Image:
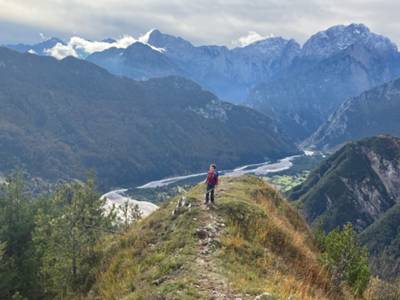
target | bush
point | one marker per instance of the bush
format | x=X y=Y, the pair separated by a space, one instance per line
x=346 y=260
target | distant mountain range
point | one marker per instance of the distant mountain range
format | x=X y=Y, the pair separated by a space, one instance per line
x=60 y=118
x=297 y=86
x=376 y=111
x=229 y=73
x=335 y=64
x=359 y=184
x=39 y=48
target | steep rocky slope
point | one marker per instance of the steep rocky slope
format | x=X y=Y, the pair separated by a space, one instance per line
x=374 y=112
x=359 y=184
x=251 y=242
x=335 y=64
x=383 y=241
x=356 y=184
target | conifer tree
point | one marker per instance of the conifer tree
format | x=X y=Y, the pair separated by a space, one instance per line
x=66 y=238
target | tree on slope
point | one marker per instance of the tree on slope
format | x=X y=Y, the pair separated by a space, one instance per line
x=66 y=236
x=345 y=258
x=17 y=266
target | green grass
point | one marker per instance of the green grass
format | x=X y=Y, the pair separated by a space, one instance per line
x=286 y=182
x=147 y=257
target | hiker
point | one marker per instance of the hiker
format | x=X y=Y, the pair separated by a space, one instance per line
x=211 y=182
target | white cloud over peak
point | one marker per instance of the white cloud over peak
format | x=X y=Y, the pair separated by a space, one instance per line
x=79 y=47
x=250 y=38
x=61 y=51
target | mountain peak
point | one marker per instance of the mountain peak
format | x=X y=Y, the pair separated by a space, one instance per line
x=145 y=37
x=161 y=40
x=140 y=48
x=109 y=40
x=272 y=46
x=336 y=38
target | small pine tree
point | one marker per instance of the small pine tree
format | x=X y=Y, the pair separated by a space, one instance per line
x=136 y=213
x=6 y=273
x=66 y=236
x=16 y=223
x=129 y=213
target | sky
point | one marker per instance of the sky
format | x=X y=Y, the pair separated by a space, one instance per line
x=221 y=22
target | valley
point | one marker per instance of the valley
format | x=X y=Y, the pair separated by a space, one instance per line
x=284 y=174
x=106 y=141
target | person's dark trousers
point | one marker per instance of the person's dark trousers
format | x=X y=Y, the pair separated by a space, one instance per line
x=210 y=193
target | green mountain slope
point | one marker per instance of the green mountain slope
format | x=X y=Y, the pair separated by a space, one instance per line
x=60 y=118
x=356 y=184
x=359 y=184
x=251 y=242
x=383 y=241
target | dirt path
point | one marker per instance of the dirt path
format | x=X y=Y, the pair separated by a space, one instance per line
x=211 y=281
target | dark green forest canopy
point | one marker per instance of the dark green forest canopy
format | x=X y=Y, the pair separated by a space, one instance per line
x=61 y=118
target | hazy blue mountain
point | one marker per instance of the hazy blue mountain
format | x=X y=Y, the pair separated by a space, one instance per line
x=60 y=118
x=138 y=61
x=299 y=87
x=109 y=40
x=335 y=64
x=39 y=48
x=374 y=112
x=337 y=38
x=228 y=73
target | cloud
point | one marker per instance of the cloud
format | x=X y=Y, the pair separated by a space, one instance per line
x=61 y=51
x=250 y=38
x=80 y=47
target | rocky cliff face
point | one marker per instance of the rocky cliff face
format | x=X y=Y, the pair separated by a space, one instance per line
x=373 y=112
x=359 y=184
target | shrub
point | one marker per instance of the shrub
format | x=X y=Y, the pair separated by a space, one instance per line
x=346 y=260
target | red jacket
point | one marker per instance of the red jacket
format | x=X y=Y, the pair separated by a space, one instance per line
x=212 y=178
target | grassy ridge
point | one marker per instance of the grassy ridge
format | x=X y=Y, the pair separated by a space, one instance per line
x=260 y=244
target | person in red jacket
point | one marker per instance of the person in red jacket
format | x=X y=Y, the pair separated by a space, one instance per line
x=211 y=182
